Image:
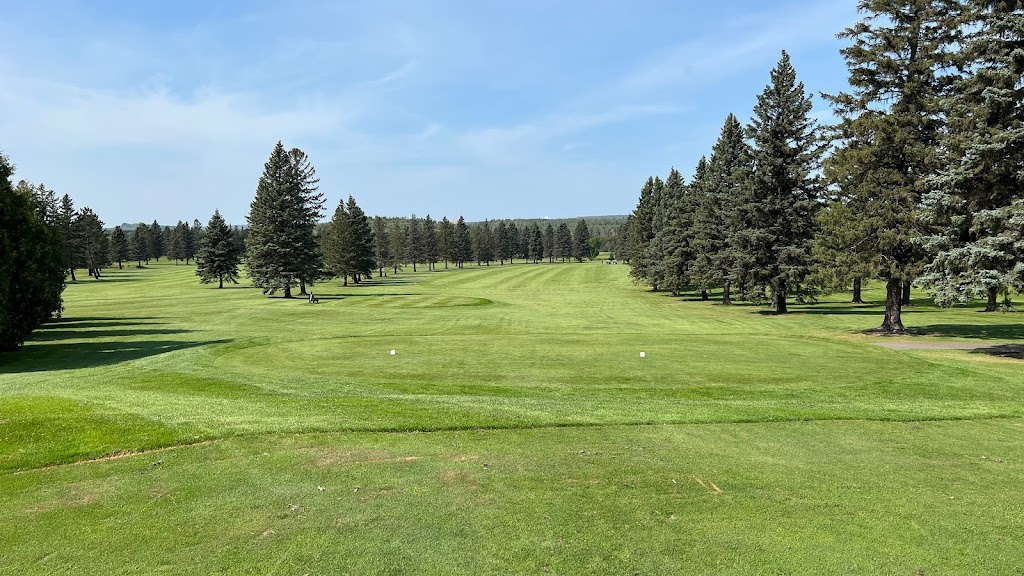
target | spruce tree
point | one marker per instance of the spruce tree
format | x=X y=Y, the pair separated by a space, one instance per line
x=381 y=245
x=94 y=245
x=120 y=250
x=670 y=251
x=502 y=246
x=361 y=237
x=483 y=243
x=446 y=241
x=218 y=253
x=563 y=242
x=399 y=244
x=414 y=242
x=515 y=241
x=139 y=245
x=431 y=249
x=309 y=258
x=890 y=123
x=181 y=241
x=536 y=243
x=156 y=241
x=642 y=232
x=279 y=224
x=549 y=243
x=976 y=201
x=785 y=191
x=463 y=246
x=71 y=248
x=171 y=243
x=581 y=241
x=716 y=214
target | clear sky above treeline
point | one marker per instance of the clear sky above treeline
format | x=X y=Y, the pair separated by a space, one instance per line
x=168 y=110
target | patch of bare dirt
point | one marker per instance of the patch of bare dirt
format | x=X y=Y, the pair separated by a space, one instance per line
x=339 y=457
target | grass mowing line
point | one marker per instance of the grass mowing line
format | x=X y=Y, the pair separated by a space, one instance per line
x=115 y=456
x=497 y=428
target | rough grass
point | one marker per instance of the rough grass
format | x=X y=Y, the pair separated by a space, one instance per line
x=516 y=430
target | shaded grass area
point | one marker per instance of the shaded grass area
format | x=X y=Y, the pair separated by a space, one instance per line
x=880 y=498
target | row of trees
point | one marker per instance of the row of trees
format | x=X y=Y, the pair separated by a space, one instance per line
x=920 y=181
x=32 y=258
x=286 y=248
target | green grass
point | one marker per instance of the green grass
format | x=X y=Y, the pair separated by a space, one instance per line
x=516 y=430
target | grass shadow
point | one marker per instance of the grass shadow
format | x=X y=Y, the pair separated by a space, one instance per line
x=45 y=357
x=74 y=333
x=980 y=331
x=1015 y=351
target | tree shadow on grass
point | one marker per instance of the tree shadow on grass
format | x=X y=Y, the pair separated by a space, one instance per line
x=76 y=332
x=44 y=357
x=851 y=310
x=980 y=331
x=363 y=295
x=1003 y=351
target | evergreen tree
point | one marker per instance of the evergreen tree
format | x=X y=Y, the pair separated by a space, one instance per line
x=976 y=201
x=536 y=243
x=171 y=243
x=140 y=245
x=890 y=125
x=549 y=243
x=309 y=260
x=156 y=241
x=515 y=241
x=349 y=243
x=218 y=253
x=463 y=247
x=181 y=241
x=716 y=216
x=483 y=243
x=563 y=242
x=197 y=238
x=277 y=253
x=71 y=248
x=502 y=246
x=670 y=252
x=581 y=241
x=446 y=241
x=381 y=245
x=414 y=242
x=642 y=232
x=188 y=241
x=33 y=270
x=93 y=241
x=362 y=240
x=120 y=250
x=785 y=192
x=431 y=248
x=399 y=243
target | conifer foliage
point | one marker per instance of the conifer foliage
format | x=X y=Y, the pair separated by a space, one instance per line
x=218 y=253
x=281 y=250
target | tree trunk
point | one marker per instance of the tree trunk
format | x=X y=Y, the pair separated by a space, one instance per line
x=905 y=297
x=221 y=281
x=73 y=279
x=288 y=291
x=302 y=287
x=119 y=267
x=993 y=303
x=856 y=290
x=726 y=298
x=704 y=295
x=893 y=322
x=413 y=265
x=344 y=280
x=779 y=297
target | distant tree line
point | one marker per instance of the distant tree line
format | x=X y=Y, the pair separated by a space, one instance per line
x=919 y=182
x=286 y=248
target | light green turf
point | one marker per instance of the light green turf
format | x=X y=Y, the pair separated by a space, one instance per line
x=516 y=430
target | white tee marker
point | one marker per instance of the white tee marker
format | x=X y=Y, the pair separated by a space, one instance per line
x=643 y=354
x=392 y=352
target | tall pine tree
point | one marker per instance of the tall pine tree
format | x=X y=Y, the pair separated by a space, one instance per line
x=218 y=253
x=890 y=125
x=779 y=219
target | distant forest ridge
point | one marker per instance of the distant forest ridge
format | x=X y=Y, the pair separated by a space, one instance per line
x=603 y=226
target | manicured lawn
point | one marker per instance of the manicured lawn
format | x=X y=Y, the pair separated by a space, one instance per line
x=516 y=430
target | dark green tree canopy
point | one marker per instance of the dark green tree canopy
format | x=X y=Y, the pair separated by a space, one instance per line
x=218 y=253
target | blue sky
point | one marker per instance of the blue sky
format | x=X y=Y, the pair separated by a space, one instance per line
x=168 y=110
